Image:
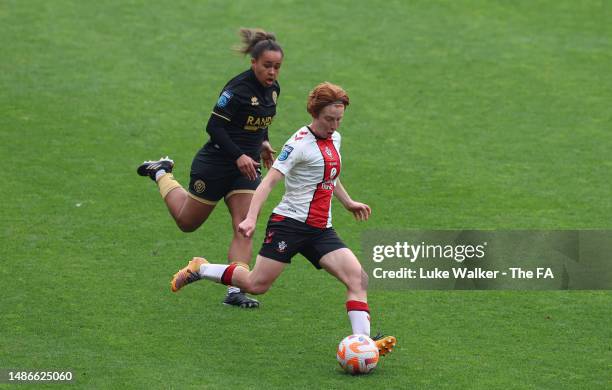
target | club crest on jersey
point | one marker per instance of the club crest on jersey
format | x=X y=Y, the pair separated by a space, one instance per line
x=254 y=101
x=285 y=153
x=274 y=96
x=282 y=246
x=224 y=99
x=328 y=151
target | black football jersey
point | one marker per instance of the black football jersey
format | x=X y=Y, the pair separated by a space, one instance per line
x=249 y=108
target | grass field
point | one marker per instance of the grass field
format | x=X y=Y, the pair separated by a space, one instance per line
x=464 y=114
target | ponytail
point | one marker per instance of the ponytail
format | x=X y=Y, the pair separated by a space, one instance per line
x=255 y=41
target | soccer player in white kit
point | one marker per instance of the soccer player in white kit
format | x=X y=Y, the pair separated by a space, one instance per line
x=310 y=163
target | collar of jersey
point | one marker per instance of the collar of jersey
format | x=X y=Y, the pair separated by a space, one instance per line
x=314 y=135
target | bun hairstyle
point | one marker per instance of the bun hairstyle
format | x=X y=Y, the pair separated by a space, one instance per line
x=255 y=41
x=323 y=95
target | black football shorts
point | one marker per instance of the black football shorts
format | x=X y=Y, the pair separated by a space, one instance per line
x=286 y=237
x=211 y=182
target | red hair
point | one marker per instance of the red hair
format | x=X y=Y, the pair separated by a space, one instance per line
x=323 y=95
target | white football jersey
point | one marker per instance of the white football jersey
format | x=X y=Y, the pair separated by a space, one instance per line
x=311 y=166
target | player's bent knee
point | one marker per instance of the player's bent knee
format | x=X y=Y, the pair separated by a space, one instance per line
x=186 y=227
x=258 y=288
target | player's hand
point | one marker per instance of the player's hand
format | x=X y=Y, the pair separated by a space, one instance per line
x=247 y=166
x=267 y=154
x=247 y=227
x=361 y=211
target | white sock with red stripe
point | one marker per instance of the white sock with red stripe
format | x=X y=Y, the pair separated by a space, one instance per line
x=213 y=272
x=359 y=314
x=220 y=273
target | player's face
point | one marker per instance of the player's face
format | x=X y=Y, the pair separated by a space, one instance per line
x=328 y=120
x=267 y=66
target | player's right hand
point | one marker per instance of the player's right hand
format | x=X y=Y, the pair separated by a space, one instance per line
x=247 y=166
x=247 y=227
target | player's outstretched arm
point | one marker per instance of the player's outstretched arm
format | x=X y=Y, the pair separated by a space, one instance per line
x=361 y=211
x=247 y=227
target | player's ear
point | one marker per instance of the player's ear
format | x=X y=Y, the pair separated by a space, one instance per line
x=253 y=61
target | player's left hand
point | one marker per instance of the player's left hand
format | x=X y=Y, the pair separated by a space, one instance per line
x=267 y=154
x=361 y=211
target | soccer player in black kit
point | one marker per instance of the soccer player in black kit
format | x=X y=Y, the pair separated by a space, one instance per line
x=228 y=165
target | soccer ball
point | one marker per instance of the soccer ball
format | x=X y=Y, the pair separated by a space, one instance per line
x=357 y=354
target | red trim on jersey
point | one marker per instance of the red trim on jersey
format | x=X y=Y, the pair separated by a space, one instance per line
x=226 y=278
x=277 y=218
x=319 y=209
x=357 y=306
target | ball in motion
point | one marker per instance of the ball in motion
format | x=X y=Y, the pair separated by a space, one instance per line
x=357 y=354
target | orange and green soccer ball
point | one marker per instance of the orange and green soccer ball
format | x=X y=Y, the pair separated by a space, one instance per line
x=357 y=354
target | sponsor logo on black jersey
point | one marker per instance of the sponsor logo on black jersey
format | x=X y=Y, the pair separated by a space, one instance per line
x=254 y=123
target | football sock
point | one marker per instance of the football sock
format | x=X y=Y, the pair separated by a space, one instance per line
x=220 y=273
x=213 y=272
x=359 y=315
x=166 y=184
x=159 y=174
x=233 y=289
x=229 y=272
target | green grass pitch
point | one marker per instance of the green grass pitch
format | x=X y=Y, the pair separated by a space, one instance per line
x=464 y=114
